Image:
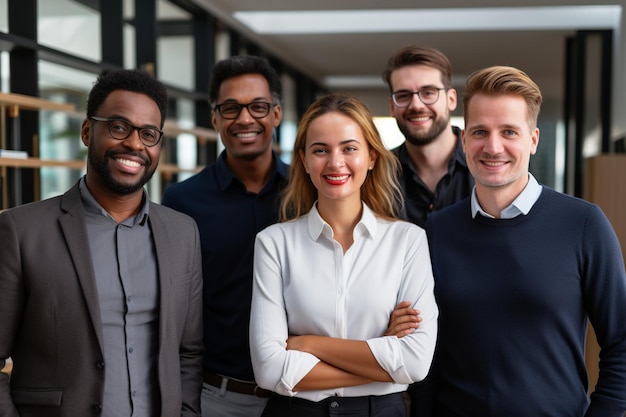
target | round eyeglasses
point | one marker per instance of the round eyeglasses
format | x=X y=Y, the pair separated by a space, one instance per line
x=427 y=95
x=120 y=129
x=231 y=111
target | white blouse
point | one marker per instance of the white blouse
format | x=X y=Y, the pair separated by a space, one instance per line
x=305 y=284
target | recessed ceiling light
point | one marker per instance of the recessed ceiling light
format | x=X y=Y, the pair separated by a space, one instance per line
x=432 y=20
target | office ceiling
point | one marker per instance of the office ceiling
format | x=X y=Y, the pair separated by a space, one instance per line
x=347 y=54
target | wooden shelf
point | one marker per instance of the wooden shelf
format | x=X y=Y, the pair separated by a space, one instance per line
x=21 y=101
x=172 y=129
x=38 y=163
x=15 y=103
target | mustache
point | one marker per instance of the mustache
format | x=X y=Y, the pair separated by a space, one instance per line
x=418 y=114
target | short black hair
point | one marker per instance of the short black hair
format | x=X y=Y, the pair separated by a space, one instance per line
x=135 y=80
x=240 y=65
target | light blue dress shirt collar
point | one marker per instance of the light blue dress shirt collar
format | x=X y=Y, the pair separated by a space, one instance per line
x=521 y=205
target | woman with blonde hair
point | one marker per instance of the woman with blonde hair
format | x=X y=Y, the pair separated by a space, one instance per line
x=328 y=276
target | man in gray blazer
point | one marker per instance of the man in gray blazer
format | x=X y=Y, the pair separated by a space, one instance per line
x=100 y=289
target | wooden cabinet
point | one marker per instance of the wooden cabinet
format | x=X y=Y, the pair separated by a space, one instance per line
x=605 y=185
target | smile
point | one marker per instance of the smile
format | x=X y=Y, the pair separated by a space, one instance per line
x=128 y=162
x=246 y=135
x=337 y=177
x=493 y=164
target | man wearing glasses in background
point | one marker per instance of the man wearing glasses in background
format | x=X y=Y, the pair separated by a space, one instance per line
x=101 y=289
x=434 y=171
x=231 y=201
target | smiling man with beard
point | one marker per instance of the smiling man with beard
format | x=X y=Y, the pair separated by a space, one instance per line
x=434 y=171
x=100 y=288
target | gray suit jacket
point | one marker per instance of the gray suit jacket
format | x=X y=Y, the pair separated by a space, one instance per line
x=50 y=319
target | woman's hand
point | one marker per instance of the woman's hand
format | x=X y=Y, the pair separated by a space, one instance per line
x=403 y=321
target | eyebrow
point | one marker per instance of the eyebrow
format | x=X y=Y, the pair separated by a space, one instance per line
x=424 y=86
x=124 y=119
x=482 y=126
x=232 y=100
x=343 y=142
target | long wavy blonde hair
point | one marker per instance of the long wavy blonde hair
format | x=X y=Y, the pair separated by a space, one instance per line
x=380 y=191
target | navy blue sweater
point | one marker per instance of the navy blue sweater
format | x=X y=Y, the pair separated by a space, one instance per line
x=514 y=296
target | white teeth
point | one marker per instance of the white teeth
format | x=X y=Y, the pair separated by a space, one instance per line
x=493 y=164
x=128 y=163
x=419 y=119
x=337 y=177
x=246 y=135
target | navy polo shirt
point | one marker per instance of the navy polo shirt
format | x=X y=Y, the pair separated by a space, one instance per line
x=228 y=218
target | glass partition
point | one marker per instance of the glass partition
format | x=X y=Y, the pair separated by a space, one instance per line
x=70 y=27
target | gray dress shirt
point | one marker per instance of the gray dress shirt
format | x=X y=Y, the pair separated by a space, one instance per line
x=126 y=273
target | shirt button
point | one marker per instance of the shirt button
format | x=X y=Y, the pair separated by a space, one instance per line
x=100 y=365
x=130 y=350
x=96 y=408
x=334 y=404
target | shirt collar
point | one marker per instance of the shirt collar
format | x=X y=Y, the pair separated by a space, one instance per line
x=225 y=176
x=92 y=206
x=459 y=156
x=521 y=205
x=318 y=227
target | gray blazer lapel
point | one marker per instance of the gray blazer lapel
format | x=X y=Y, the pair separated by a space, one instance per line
x=72 y=222
x=163 y=250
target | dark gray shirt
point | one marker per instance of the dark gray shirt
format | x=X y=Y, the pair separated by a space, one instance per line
x=125 y=267
x=419 y=201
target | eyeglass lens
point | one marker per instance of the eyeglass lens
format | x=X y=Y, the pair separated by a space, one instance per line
x=427 y=95
x=120 y=129
x=257 y=110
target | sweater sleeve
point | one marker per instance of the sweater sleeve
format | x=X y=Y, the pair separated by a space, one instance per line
x=604 y=286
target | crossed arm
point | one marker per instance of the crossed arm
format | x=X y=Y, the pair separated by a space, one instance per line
x=345 y=363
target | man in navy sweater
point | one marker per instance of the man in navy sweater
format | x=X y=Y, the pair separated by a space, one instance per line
x=519 y=269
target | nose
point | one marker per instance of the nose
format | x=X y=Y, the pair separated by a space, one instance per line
x=335 y=160
x=133 y=141
x=416 y=102
x=493 y=144
x=244 y=116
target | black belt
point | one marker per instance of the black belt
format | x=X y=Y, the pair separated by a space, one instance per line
x=240 y=387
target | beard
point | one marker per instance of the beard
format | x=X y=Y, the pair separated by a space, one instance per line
x=424 y=138
x=100 y=167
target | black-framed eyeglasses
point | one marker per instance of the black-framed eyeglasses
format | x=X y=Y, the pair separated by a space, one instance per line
x=427 y=95
x=120 y=129
x=231 y=111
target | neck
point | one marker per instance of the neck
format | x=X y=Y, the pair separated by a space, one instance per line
x=119 y=207
x=254 y=173
x=431 y=161
x=342 y=216
x=495 y=199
